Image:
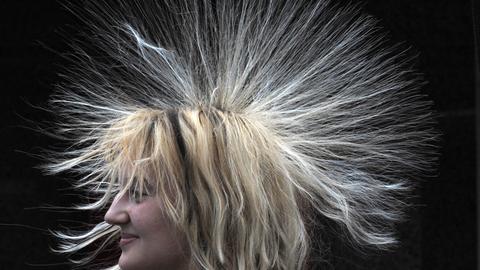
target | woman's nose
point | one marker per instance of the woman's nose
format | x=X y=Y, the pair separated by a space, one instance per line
x=117 y=213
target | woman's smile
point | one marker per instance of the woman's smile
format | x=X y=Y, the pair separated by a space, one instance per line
x=127 y=238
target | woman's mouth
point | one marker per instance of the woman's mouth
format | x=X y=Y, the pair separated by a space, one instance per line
x=127 y=239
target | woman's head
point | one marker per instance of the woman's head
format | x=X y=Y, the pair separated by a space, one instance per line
x=212 y=180
x=217 y=129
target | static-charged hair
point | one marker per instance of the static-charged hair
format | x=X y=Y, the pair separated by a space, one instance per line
x=245 y=119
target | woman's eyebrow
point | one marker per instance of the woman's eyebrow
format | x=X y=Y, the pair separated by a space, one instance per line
x=146 y=182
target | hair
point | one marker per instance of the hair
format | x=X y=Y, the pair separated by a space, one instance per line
x=249 y=118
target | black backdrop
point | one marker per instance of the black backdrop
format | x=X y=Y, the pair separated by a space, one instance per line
x=441 y=231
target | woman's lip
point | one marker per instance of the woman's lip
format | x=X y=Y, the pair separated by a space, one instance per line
x=126 y=240
x=128 y=235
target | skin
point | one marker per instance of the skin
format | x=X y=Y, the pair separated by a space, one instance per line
x=157 y=244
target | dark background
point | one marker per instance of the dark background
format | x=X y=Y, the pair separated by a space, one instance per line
x=441 y=231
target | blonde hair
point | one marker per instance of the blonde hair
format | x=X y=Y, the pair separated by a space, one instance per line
x=248 y=118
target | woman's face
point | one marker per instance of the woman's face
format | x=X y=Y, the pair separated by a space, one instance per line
x=148 y=240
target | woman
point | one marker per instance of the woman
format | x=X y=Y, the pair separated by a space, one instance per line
x=215 y=132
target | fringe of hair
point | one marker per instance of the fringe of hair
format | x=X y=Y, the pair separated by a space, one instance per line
x=248 y=117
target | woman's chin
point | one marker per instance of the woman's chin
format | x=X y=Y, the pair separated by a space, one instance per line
x=127 y=261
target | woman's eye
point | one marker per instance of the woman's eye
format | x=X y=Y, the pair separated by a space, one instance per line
x=137 y=197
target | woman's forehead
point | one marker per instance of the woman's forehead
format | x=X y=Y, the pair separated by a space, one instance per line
x=134 y=176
